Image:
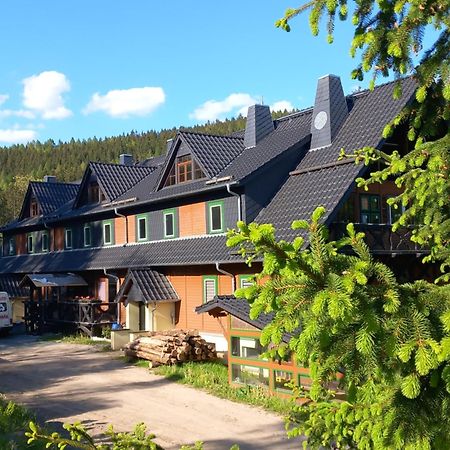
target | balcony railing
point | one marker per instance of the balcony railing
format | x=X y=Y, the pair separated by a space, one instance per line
x=381 y=239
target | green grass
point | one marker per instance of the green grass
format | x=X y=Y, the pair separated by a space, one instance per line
x=213 y=378
x=14 y=420
x=79 y=339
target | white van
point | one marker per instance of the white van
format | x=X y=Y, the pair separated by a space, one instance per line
x=6 y=320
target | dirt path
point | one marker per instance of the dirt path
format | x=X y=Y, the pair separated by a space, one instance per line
x=67 y=383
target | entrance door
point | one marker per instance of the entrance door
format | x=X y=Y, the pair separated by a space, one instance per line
x=142 y=311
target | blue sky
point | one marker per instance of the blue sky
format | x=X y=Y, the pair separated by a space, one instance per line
x=90 y=68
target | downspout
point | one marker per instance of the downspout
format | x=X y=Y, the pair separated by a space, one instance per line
x=235 y=194
x=117 y=281
x=233 y=280
x=126 y=223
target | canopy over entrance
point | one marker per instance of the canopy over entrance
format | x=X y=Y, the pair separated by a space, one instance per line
x=146 y=286
x=53 y=280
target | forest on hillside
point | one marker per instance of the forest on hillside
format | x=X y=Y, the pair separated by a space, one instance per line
x=67 y=160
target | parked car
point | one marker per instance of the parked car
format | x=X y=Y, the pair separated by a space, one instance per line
x=6 y=318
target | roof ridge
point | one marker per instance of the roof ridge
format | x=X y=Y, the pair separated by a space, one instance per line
x=46 y=183
x=378 y=86
x=227 y=136
x=120 y=165
x=294 y=114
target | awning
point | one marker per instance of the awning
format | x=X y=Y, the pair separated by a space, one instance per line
x=53 y=280
x=11 y=285
x=147 y=286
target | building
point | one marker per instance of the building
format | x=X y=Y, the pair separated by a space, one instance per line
x=152 y=235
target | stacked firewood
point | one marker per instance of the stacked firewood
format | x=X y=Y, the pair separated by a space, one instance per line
x=171 y=347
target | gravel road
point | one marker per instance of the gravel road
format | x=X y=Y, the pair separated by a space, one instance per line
x=67 y=383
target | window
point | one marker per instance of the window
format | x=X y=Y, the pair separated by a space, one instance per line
x=68 y=238
x=393 y=214
x=184 y=168
x=254 y=376
x=95 y=194
x=108 y=232
x=347 y=213
x=246 y=281
x=370 y=209
x=281 y=378
x=87 y=236
x=215 y=217
x=11 y=246
x=142 y=227
x=34 y=209
x=209 y=287
x=169 y=223
x=304 y=380
x=30 y=243
x=44 y=242
x=246 y=347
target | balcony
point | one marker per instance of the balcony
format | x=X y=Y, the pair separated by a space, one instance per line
x=381 y=239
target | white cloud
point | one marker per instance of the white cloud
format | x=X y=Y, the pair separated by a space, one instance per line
x=282 y=105
x=17 y=136
x=24 y=113
x=234 y=104
x=127 y=102
x=43 y=93
x=3 y=98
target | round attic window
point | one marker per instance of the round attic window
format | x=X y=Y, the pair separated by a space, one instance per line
x=320 y=120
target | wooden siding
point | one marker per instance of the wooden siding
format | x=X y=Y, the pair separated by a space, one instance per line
x=21 y=244
x=132 y=228
x=59 y=239
x=120 y=230
x=192 y=219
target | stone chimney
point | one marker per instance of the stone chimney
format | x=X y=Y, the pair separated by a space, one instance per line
x=49 y=179
x=259 y=124
x=125 y=159
x=330 y=111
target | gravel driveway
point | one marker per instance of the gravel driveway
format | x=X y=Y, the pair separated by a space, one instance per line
x=67 y=383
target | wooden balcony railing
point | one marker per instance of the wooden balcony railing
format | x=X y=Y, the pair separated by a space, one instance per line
x=381 y=239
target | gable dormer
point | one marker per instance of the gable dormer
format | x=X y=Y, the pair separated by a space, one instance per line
x=30 y=205
x=90 y=192
x=194 y=156
x=184 y=167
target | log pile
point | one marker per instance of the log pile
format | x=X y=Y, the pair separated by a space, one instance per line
x=171 y=347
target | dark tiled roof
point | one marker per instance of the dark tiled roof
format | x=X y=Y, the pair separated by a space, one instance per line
x=115 y=179
x=371 y=111
x=301 y=194
x=237 y=307
x=173 y=252
x=213 y=153
x=10 y=284
x=290 y=133
x=52 y=196
x=321 y=179
x=153 y=286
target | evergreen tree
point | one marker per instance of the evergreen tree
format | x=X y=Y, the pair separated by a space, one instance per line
x=389 y=38
x=387 y=344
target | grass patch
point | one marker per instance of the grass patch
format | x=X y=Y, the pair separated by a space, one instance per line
x=213 y=378
x=14 y=420
x=79 y=339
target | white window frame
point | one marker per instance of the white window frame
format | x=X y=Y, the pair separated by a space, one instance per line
x=145 y=219
x=66 y=241
x=110 y=242
x=87 y=227
x=30 y=236
x=45 y=249
x=166 y=214
x=207 y=279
